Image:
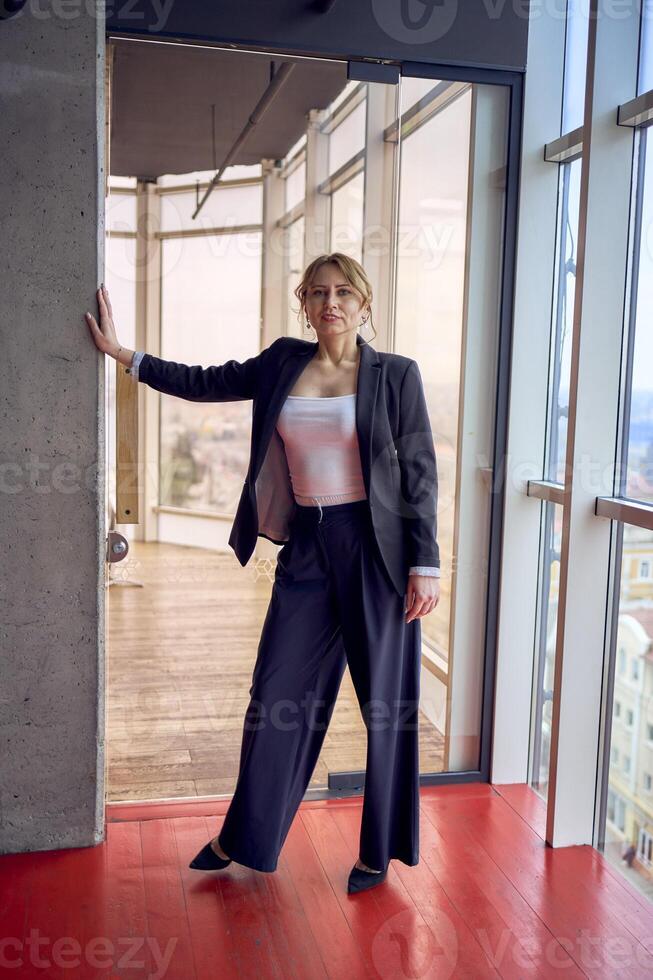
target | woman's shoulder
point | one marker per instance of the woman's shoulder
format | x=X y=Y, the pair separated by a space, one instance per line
x=396 y=364
x=396 y=360
x=281 y=348
x=287 y=341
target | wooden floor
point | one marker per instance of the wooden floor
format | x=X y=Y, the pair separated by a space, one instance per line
x=487 y=899
x=181 y=651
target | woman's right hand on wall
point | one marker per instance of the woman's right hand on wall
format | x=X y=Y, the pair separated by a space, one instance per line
x=104 y=333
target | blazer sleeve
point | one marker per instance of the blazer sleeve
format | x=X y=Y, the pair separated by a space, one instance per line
x=228 y=382
x=418 y=471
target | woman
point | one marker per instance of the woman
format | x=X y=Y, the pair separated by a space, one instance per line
x=358 y=568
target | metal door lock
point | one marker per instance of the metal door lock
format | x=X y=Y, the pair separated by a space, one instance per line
x=117 y=546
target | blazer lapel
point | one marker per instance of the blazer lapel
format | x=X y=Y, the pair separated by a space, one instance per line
x=289 y=371
x=366 y=389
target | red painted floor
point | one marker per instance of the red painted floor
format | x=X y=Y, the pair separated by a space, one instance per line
x=488 y=899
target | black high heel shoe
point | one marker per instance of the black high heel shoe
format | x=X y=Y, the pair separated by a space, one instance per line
x=360 y=880
x=208 y=860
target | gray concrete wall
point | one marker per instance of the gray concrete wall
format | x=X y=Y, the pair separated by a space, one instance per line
x=52 y=451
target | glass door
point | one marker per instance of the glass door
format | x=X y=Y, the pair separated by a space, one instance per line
x=419 y=194
x=450 y=230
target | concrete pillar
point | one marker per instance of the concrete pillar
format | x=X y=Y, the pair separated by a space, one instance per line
x=52 y=437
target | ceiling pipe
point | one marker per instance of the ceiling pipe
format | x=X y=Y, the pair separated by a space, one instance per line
x=279 y=78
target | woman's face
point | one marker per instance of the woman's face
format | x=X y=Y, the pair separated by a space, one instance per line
x=333 y=306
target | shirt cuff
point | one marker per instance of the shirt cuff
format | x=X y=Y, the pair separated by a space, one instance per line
x=132 y=370
x=424 y=570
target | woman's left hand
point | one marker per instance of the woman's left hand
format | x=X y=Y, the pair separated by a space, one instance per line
x=422 y=596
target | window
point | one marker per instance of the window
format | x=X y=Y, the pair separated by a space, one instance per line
x=620 y=813
x=225 y=207
x=120 y=210
x=563 y=317
x=645 y=83
x=347 y=218
x=645 y=848
x=637 y=482
x=622 y=661
x=616 y=810
x=414 y=89
x=295 y=186
x=450 y=185
x=634 y=470
x=210 y=312
x=544 y=664
x=348 y=138
x=431 y=292
x=577 y=25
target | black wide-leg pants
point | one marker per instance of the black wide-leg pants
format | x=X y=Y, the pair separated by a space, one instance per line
x=332 y=604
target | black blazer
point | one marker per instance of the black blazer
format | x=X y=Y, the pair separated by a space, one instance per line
x=394 y=436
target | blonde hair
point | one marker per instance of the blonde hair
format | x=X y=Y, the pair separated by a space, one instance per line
x=352 y=271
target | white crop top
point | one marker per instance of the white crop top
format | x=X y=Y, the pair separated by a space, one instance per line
x=321 y=442
x=334 y=474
